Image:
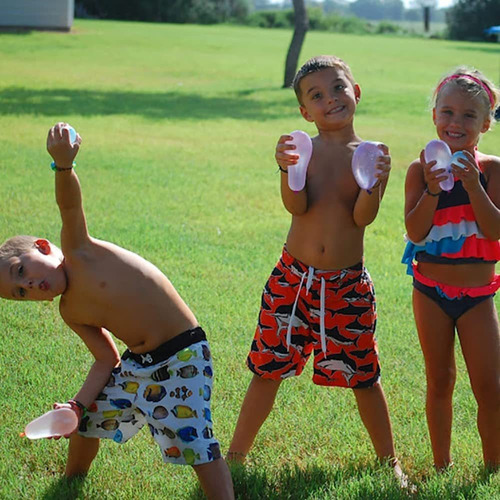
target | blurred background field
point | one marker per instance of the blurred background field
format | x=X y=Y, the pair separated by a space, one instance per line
x=179 y=125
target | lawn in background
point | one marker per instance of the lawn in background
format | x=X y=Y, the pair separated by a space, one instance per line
x=179 y=125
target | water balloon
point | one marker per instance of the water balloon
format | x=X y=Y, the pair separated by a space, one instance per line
x=54 y=423
x=364 y=161
x=72 y=134
x=457 y=156
x=440 y=152
x=297 y=173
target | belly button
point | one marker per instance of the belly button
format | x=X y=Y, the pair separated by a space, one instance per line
x=102 y=284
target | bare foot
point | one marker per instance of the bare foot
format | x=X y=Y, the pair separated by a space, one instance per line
x=402 y=478
x=444 y=468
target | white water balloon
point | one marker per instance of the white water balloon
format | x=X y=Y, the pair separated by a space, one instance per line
x=297 y=173
x=439 y=152
x=364 y=161
x=54 y=423
x=72 y=134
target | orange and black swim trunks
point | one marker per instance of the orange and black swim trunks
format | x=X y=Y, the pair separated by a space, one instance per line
x=332 y=313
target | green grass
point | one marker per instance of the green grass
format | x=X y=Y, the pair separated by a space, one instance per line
x=179 y=125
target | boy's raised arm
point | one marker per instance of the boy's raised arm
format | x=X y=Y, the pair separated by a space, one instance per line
x=68 y=192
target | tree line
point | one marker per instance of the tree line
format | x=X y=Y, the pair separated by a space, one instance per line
x=466 y=20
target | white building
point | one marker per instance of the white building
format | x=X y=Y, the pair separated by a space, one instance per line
x=38 y=14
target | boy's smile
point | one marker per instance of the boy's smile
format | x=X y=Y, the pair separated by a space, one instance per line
x=329 y=98
x=460 y=118
x=34 y=275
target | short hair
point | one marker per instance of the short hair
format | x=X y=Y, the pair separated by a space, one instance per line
x=17 y=246
x=319 y=63
x=472 y=82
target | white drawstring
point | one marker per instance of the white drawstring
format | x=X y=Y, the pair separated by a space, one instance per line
x=310 y=276
x=289 y=331
x=322 y=316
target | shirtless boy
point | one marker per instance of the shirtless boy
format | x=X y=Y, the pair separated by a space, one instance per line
x=103 y=289
x=319 y=298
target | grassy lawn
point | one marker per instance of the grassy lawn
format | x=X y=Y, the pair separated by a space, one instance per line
x=179 y=125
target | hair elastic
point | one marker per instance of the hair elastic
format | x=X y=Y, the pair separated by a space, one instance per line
x=472 y=78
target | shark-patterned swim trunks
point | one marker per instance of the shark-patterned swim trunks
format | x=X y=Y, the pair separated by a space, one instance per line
x=332 y=313
x=170 y=390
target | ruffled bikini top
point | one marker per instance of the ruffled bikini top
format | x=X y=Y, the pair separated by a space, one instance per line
x=455 y=237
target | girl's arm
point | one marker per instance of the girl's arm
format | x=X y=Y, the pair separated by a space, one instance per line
x=486 y=204
x=421 y=197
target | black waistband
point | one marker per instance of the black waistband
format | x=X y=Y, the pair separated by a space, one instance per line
x=169 y=348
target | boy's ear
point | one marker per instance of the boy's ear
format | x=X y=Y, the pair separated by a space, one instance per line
x=434 y=115
x=43 y=246
x=357 y=92
x=305 y=114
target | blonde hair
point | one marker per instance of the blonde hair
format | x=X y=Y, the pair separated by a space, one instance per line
x=319 y=63
x=472 y=82
x=17 y=246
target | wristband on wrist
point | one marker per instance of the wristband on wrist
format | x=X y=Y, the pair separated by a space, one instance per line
x=280 y=169
x=429 y=193
x=55 y=168
x=78 y=407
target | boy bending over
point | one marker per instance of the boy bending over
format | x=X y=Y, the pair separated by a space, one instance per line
x=163 y=379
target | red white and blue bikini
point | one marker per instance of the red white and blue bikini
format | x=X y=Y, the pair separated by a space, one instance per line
x=455 y=238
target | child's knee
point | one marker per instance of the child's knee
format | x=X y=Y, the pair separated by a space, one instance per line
x=487 y=394
x=441 y=382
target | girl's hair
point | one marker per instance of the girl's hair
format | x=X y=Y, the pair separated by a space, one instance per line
x=319 y=63
x=473 y=82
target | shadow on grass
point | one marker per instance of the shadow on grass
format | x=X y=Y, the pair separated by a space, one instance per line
x=481 y=48
x=153 y=105
x=63 y=488
x=346 y=482
x=313 y=482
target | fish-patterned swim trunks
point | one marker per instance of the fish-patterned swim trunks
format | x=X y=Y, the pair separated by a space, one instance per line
x=170 y=390
x=332 y=313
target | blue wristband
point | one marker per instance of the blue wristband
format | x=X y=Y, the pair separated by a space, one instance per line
x=55 y=168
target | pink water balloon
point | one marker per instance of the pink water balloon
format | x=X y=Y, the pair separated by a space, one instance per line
x=54 y=423
x=364 y=161
x=439 y=152
x=297 y=173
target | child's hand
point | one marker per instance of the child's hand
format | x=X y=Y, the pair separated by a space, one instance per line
x=467 y=172
x=432 y=178
x=78 y=412
x=383 y=165
x=59 y=145
x=283 y=159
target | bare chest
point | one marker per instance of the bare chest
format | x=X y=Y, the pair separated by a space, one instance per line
x=331 y=184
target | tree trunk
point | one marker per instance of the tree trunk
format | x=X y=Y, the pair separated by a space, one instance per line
x=299 y=33
x=427 y=19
